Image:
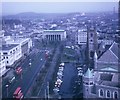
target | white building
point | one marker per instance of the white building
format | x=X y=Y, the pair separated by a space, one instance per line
x=54 y=35
x=25 y=43
x=11 y=53
x=11 y=50
x=82 y=37
x=2 y=64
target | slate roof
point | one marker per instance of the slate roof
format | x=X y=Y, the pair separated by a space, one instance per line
x=111 y=55
x=88 y=74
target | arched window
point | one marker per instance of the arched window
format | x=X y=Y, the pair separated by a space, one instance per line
x=115 y=95
x=101 y=92
x=108 y=94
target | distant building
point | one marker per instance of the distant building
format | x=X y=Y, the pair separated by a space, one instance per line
x=82 y=37
x=103 y=81
x=54 y=35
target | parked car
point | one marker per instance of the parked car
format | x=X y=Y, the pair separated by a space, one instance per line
x=11 y=79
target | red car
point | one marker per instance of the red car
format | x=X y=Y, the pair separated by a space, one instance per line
x=18 y=70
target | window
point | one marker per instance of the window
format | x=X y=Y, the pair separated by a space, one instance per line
x=91 y=34
x=5 y=53
x=101 y=92
x=115 y=95
x=7 y=62
x=108 y=94
x=91 y=40
x=6 y=57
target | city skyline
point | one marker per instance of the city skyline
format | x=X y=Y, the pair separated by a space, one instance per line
x=9 y=8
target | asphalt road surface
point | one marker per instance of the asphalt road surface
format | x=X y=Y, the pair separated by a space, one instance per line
x=28 y=76
x=48 y=75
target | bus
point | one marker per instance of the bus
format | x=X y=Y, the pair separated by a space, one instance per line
x=18 y=93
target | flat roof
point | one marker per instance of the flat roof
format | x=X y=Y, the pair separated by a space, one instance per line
x=9 y=46
x=53 y=30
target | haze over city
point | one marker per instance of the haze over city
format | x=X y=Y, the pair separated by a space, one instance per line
x=9 y=8
x=60 y=50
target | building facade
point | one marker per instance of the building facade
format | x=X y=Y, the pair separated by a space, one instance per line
x=11 y=53
x=82 y=37
x=2 y=64
x=54 y=35
x=103 y=81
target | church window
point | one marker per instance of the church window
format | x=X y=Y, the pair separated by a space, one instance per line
x=101 y=92
x=108 y=94
x=115 y=95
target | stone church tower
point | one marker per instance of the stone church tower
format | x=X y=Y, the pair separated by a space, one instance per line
x=88 y=82
x=92 y=44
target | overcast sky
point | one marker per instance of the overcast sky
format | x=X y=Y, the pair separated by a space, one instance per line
x=57 y=7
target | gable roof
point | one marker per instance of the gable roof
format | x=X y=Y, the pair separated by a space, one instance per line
x=115 y=49
x=111 y=55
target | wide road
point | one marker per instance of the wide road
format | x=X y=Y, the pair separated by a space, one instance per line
x=29 y=74
x=48 y=77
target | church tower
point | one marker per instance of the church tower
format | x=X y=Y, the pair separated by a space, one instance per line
x=92 y=45
x=88 y=82
x=92 y=41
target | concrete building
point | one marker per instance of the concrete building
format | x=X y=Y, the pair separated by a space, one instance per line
x=11 y=53
x=54 y=35
x=104 y=80
x=82 y=37
x=12 y=49
x=25 y=43
x=2 y=64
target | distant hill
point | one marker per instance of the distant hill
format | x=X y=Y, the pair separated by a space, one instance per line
x=31 y=15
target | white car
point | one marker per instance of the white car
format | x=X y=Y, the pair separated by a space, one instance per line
x=11 y=79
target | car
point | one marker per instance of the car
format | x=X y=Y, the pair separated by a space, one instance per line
x=11 y=79
x=18 y=70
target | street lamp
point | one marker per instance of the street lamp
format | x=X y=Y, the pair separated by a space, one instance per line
x=7 y=89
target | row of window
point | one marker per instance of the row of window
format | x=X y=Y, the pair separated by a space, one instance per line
x=108 y=94
x=5 y=53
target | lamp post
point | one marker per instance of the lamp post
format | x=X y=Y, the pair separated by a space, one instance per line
x=7 y=89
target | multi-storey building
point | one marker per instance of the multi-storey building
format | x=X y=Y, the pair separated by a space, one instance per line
x=11 y=53
x=54 y=35
x=12 y=49
x=2 y=64
x=82 y=37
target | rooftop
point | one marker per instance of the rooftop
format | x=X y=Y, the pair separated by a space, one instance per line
x=88 y=74
x=8 y=46
x=53 y=30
